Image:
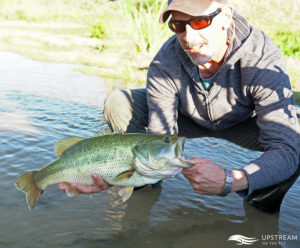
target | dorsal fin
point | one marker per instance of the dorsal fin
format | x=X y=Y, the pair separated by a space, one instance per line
x=106 y=132
x=118 y=130
x=101 y=133
x=63 y=145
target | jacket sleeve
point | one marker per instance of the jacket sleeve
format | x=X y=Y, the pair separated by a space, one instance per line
x=162 y=101
x=279 y=128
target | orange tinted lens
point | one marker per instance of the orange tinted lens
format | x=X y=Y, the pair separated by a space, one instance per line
x=200 y=23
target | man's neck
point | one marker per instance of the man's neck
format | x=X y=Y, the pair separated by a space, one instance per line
x=209 y=69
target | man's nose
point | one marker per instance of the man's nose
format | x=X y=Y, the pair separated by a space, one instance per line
x=190 y=34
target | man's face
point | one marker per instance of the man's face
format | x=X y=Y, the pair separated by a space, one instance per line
x=205 y=44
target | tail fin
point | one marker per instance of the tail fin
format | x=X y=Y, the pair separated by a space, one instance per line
x=27 y=184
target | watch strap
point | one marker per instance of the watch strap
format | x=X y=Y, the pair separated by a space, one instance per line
x=228 y=183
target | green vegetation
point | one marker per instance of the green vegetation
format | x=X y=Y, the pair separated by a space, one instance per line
x=278 y=19
x=98 y=30
x=143 y=16
x=118 y=40
x=288 y=42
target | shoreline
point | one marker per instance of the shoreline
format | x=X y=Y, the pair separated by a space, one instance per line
x=71 y=43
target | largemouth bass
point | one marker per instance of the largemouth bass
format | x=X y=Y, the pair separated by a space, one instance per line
x=128 y=160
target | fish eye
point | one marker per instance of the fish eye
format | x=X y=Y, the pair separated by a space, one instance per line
x=167 y=139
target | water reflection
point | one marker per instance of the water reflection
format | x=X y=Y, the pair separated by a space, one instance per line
x=41 y=103
x=290 y=215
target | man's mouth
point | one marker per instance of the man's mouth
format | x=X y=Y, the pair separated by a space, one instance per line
x=194 y=49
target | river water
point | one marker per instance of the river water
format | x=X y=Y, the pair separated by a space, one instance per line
x=41 y=103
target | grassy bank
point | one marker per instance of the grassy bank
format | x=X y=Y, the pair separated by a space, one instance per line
x=117 y=40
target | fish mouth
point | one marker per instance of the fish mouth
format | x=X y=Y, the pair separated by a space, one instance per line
x=180 y=146
x=181 y=161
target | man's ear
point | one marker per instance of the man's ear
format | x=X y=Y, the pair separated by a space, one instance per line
x=228 y=12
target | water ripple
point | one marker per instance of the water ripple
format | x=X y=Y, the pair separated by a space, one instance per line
x=40 y=103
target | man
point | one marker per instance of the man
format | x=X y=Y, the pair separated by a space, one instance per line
x=217 y=77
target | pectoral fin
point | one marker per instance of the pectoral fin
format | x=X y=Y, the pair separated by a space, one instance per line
x=125 y=175
x=125 y=193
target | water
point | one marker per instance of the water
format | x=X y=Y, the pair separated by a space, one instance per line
x=40 y=103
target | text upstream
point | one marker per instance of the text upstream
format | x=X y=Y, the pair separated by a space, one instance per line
x=278 y=237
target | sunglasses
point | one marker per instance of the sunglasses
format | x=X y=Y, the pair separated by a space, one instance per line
x=196 y=23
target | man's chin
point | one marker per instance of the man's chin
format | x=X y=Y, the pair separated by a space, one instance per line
x=199 y=60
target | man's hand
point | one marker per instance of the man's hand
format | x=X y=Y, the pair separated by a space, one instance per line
x=206 y=177
x=99 y=185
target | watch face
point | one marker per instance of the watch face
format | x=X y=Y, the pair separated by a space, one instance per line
x=229 y=177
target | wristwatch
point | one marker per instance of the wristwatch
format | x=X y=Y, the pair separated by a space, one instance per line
x=228 y=183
